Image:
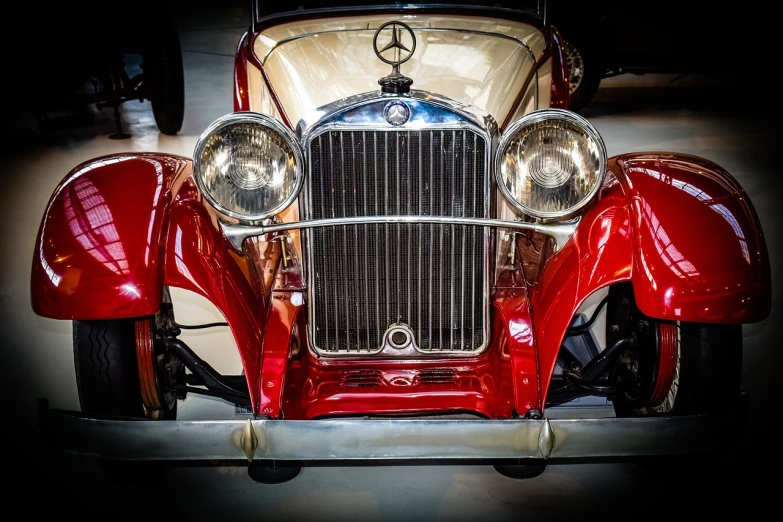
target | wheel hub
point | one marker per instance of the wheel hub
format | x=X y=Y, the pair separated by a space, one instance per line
x=646 y=372
x=576 y=66
x=159 y=371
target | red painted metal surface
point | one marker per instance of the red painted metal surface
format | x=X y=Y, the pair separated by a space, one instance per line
x=667 y=362
x=249 y=55
x=645 y=228
x=514 y=318
x=100 y=241
x=199 y=259
x=597 y=255
x=241 y=88
x=120 y=228
x=283 y=311
x=318 y=390
x=701 y=254
x=244 y=56
x=561 y=94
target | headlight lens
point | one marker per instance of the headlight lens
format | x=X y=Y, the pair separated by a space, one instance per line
x=248 y=166
x=550 y=163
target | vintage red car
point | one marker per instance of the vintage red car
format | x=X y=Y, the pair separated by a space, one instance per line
x=420 y=252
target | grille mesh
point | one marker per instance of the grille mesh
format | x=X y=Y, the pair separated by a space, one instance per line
x=368 y=277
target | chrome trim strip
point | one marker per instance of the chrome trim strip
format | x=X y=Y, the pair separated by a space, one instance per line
x=236 y=234
x=385 y=439
x=333 y=112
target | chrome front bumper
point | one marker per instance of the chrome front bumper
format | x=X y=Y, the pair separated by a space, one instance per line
x=357 y=439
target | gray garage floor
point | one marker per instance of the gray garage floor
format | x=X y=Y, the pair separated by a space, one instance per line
x=728 y=125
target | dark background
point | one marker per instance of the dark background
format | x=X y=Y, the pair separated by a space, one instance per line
x=742 y=96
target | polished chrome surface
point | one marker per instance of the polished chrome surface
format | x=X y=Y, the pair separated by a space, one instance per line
x=546 y=440
x=249 y=440
x=399 y=341
x=560 y=232
x=258 y=119
x=576 y=67
x=428 y=110
x=359 y=439
x=358 y=173
x=364 y=171
x=546 y=115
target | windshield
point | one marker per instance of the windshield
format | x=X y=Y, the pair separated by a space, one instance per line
x=265 y=8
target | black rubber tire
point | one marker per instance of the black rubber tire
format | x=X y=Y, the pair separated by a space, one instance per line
x=593 y=69
x=107 y=377
x=165 y=77
x=710 y=367
x=710 y=370
x=107 y=374
x=709 y=380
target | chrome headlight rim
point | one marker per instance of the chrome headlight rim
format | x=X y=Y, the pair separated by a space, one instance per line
x=265 y=121
x=536 y=117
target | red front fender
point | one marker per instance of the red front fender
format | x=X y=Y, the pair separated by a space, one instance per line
x=99 y=250
x=681 y=229
x=700 y=254
x=119 y=228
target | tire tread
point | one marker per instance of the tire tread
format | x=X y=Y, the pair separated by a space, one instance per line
x=106 y=369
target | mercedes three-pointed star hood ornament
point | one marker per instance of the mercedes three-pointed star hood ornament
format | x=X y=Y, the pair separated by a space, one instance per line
x=396 y=52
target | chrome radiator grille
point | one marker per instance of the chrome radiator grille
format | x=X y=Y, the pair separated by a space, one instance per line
x=365 y=278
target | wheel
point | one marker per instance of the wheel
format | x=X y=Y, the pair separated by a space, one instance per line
x=673 y=368
x=521 y=471
x=164 y=77
x=706 y=373
x=585 y=69
x=676 y=368
x=122 y=369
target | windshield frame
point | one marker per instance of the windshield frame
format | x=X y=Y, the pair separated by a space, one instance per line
x=531 y=16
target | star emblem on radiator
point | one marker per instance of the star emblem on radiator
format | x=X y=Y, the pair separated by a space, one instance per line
x=396 y=113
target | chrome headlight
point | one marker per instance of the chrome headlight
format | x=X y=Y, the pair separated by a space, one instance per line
x=248 y=166
x=550 y=163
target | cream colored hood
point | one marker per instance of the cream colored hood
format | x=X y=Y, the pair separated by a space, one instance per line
x=484 y=62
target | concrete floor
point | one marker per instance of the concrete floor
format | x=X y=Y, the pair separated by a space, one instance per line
x=720 y=123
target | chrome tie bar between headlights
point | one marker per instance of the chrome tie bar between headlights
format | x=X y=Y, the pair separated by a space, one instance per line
x=236 y=234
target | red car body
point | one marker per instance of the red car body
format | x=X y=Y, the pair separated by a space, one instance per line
x=106 y=249
x=120 y=228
